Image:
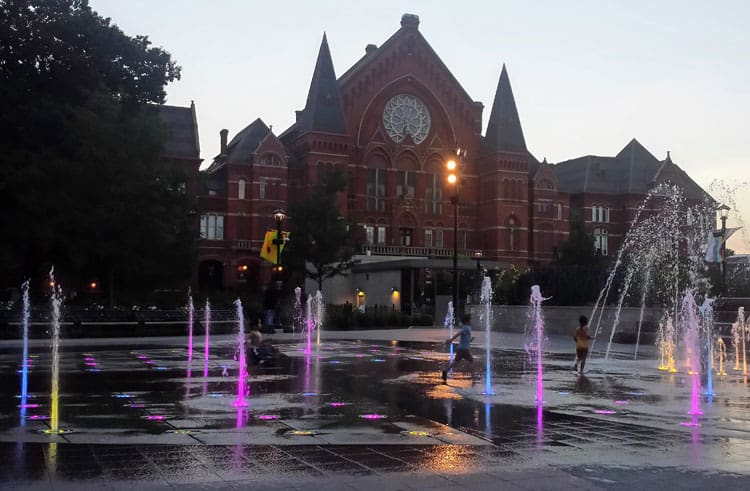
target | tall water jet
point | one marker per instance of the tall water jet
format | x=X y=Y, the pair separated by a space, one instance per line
x=736 y=343
x=57 y=299
x=190 y=312
x=665 y=342
x=621 y=299
x=640 y=315
x=743 y=325
x=299 y=315
x=450 y=323
x=721 y=354
x=309 y=321
x=206 y=346
x=207 y=328
x=314 y=314
x=738 y=339
x=242 y=380
x=485 y=316
x=707 y=319
x=319 y=314
x=25 y=355
x=662 y=253
x=537 y=323
x=690 y=325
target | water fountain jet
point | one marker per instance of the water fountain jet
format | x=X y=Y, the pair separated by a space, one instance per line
x=485 y=317
x=240 y=402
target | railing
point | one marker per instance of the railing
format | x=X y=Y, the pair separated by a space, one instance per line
x=243 y=244
x=386 y=250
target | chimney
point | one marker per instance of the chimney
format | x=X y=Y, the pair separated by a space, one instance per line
x=370 y=48
x=223 y=136
x=410 y=21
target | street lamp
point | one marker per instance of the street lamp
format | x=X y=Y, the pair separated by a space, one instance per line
x=453 y=168
x=723 y=213
x=278 y=216
x=478 y=256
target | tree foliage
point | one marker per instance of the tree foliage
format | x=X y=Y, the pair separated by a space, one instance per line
x=579 y=248
x=322 y=239
x=81 y=185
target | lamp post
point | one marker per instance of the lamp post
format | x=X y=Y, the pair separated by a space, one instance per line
x=278 y=216
x=723 y=213
x=453 y=168
x=478 y=256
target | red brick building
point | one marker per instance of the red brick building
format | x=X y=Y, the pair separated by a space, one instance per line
x=390 y=122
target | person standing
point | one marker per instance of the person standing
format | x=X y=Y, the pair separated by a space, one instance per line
x=463 y=351
x=582 y=337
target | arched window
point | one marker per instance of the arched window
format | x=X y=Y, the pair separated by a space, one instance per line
x=600 y=241
x=506 y=189
x=376 y=182
x=241 y=189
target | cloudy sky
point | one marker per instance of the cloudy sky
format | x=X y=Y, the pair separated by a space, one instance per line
x=588 y=75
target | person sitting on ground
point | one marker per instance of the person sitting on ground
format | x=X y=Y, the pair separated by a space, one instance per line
x=463 y=351
x=258 y=352
x=581 y=338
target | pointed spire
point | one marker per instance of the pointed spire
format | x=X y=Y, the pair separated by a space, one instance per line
x=504 y=131
x=323 y=110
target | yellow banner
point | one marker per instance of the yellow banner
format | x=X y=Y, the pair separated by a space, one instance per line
x=268 y=251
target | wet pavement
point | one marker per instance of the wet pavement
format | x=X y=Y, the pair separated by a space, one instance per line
x=363 y=410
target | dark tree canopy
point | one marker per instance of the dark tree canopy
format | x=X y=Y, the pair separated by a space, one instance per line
x=321 y=237
x=579 y=249
x=81 y=183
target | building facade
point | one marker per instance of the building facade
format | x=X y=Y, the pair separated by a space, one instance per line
x=389 y=123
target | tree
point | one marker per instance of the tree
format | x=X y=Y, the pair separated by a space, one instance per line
x=81 y=184
x=322 y=242
x=579 y=249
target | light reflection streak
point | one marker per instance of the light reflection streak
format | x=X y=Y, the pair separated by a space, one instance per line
x=52 y=459
x=488 y=420
x=539 y=424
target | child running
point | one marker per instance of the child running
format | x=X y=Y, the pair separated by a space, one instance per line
x=463 y=351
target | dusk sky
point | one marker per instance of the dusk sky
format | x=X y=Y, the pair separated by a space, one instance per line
x=588 y=76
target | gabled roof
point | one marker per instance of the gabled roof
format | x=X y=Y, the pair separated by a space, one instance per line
x=632 y=170
x=182 y=131
x=324 y=110
x=244 y=143
x=671 y=172
x=409 y=25
x=242 y=146
x=504 y=133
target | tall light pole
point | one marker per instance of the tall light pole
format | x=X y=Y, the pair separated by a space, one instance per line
x=723 y=213
x=278 y=216
x=453 y=167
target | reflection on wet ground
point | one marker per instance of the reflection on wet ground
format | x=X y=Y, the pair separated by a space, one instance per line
x=140 y=412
